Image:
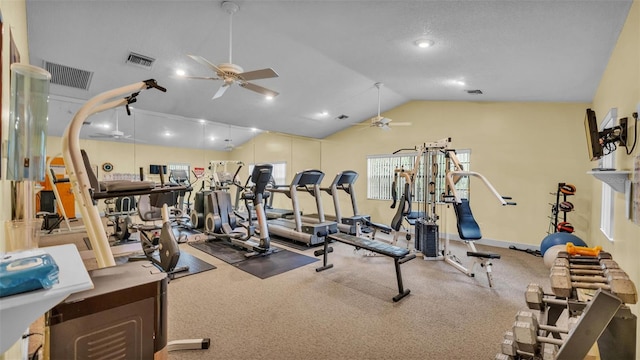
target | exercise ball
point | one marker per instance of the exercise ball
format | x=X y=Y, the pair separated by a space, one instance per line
x=551 y=254
x=559 y=238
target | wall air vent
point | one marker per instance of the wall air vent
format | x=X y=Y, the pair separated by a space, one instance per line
x=143 y=61
x=68 y=76
x=474 y=92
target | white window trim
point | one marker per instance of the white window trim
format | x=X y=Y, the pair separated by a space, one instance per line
x=608 y=194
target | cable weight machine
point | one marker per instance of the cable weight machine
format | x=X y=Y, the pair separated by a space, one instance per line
x=440 y=171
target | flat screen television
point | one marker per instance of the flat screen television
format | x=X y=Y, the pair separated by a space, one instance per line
x=155 y=169
x=593 y=135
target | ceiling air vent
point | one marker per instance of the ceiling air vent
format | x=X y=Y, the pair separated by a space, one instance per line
x=474 y=92
x=142 y=61
x=68 y=76
x=342 y=117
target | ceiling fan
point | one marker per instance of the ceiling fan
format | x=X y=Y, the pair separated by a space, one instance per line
x=115 y=134
x=380 y=121
x=231 y=73
x=383 y=122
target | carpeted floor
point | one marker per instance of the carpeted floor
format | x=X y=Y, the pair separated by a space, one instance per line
x=346 y=312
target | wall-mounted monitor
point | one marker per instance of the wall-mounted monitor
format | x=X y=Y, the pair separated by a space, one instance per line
x=593 y=135
x=155 y=169
x=607 y=140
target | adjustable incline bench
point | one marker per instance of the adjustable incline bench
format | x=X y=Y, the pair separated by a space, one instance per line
x=469 y=231
x=399 y=255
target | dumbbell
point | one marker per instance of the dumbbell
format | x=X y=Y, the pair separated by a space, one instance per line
x=527 y=338
x=535 y=299
x=563 y=282
x=606 y=268
x=510 y=350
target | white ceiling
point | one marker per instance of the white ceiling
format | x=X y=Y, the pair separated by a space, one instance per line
x=328 y=55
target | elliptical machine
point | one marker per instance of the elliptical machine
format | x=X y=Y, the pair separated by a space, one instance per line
x=222 y=222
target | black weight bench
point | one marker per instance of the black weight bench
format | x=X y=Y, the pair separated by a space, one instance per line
x=399 y=255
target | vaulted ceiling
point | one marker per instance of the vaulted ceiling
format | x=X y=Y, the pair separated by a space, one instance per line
x=328 y=55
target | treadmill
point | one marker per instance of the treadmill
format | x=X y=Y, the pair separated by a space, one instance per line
x=344 y=181
x=270 y=211
x=295 y=229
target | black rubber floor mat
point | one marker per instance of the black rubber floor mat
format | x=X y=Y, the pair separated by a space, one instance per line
x=274 y=263
x=221 y=250
x=195 y=265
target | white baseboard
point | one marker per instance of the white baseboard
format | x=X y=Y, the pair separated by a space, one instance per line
x=493 y=242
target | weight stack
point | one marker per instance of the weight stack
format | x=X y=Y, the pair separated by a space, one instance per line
x=427 y=238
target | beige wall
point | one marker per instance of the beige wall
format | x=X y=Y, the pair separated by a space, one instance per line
x=620 y=88
x=297 y=152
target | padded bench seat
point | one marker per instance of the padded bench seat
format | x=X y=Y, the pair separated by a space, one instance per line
x=399 y=255
x=371 y=245
x=485 y=255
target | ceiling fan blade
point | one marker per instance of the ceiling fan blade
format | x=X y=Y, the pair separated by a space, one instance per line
x=205 y=62
x=385 y=127
x=100 y=136
x=129 y=138
x=258 y=74
x=385 y=121
x=199 y=78
x=259 y=89
x=402 y=124
x=220 y=91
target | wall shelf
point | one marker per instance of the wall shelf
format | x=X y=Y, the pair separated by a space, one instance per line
x=616 y=179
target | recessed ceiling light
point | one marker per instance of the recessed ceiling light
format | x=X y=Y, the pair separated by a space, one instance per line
x=202 y=121
x=180 y=72
x=212 y=138
x=254 y=129
x=424 y=43
x=269 y=97
x=167 y=133
x=324 y=113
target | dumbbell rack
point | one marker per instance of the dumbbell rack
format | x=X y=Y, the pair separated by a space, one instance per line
x=603 y=318
x=555 y=209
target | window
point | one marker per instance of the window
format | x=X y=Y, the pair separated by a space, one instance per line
x=608 y=161
x=185 y=167
x=381 y=170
